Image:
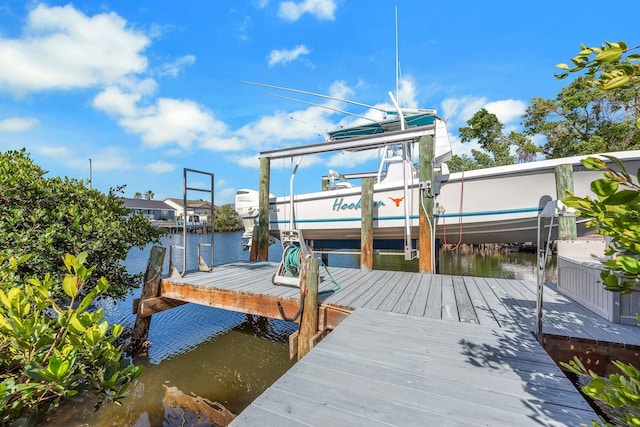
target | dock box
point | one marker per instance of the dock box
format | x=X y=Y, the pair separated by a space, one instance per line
x=579 y=270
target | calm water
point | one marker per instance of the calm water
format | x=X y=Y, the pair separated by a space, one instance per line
x=224 y=356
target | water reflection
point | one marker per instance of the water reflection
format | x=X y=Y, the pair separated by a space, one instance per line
x=493 y=262
x=232 y=370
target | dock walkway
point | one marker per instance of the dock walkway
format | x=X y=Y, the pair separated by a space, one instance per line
x=416 y=349
x=384 y=369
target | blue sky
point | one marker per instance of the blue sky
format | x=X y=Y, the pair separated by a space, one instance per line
x=145 y=89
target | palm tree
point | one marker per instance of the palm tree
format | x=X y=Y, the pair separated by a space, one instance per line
x=149 y=195
x=137 y=195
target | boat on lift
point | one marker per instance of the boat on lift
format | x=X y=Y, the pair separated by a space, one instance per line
x=492 y=205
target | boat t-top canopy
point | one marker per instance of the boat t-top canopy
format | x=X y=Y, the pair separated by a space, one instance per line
x=354 y=144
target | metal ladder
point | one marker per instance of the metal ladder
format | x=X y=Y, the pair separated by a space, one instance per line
x=202 y=264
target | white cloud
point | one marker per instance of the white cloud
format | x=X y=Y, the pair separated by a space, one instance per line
x=160 y=167
x=284 y=56
x=106 y=159
x=110 y=159
x=172 y=69
x=168 y=121
x=249 y=161
x=221 y=143
x=321 y=9
x=62 y=49
x=351 y=159
x=17 y=124
x=407 y=93
x=244 y=28
x=171 y=121
x=56 y=153
x=508 y=110
x=310 y=124
x=458 y=110
x=116 y=103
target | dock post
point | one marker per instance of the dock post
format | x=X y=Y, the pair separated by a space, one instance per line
x=263 y=210
x=425 y=264
x=309 y=321
x=150 y=289
x=564 y=182
x=366 y=231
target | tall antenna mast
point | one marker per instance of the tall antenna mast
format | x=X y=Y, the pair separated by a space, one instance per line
x=397 y=61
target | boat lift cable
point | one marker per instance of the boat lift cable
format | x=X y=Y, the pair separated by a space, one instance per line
x=444 y=224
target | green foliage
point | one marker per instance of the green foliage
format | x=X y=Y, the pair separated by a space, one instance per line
x=487 y=131
x=226 y=219
x=50 y=352
x=48 y=217
x=614 y=212
x=619 y=391
x=610 y=66
x=585 y=119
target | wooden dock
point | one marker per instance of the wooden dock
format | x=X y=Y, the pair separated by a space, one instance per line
x=247 y=287
x=385 y=369
x=410 y=349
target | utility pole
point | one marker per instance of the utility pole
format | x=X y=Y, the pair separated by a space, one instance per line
x=90 y=175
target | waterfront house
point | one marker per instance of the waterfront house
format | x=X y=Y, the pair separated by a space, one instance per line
x=153 y=210
x=198 y=211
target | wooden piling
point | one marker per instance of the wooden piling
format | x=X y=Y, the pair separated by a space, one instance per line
x=150 y=289
x=564 y=182
x=426 y=175
x=366 y=230
x=309 y=322
x=263 y=210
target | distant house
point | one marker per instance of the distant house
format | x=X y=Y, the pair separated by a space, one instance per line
x=198 y=211
x=155 y=210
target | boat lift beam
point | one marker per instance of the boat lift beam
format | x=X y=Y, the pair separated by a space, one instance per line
x=352 y=144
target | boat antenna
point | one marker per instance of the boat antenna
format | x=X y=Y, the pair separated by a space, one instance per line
x=313 y=94
x=337 y=110
x=397 y=60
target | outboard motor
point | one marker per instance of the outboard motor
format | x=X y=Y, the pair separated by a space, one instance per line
x=246 y=205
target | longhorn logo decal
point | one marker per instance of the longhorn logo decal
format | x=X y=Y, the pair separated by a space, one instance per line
x=397 y=201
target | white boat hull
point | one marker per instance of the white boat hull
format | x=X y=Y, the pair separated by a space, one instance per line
x=495 y=205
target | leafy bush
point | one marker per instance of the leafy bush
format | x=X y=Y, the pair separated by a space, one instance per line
x=615 y=213
x=49 y=217
x=50 y=352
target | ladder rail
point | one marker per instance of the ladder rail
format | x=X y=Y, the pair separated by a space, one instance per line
x=203 y=265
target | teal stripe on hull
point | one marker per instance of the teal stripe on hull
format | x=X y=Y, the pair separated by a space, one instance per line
x=395 y=218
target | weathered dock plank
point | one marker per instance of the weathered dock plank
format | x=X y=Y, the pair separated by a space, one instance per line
x=449 y=305
x=418 y=303
x=380 y=367
x=433 y=309
x=466 y=311
x=403 y=281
